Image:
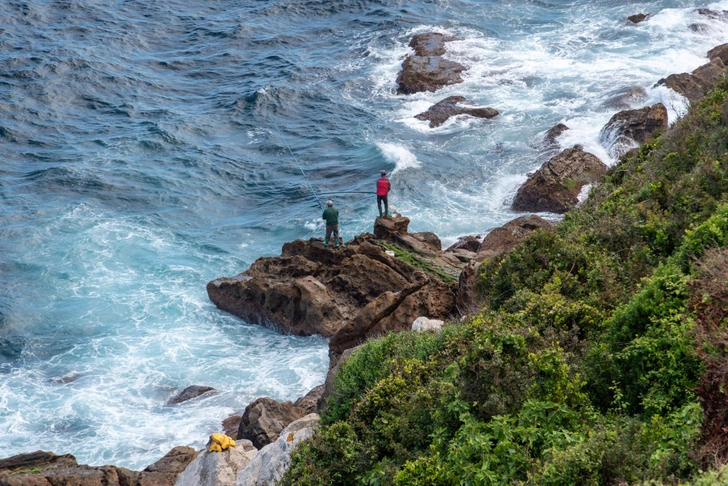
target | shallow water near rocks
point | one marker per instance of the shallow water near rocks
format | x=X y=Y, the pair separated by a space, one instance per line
x=145 y=151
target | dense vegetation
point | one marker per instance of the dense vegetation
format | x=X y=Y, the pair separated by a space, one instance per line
x=599 y=356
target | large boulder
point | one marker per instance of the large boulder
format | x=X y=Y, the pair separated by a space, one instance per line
x=311 y=289
x=555 y=187
x=271 y=463
x=427 y=70
x=684 y=84
x=637 y=18
x=218 y=468
x=441 y=111
x=468 y=243
x=719 y=52
x=631 y=128
x=264 y=419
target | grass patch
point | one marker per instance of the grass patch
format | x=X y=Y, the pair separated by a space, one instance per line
x=417 y=262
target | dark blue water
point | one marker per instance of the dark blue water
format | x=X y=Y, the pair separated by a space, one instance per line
x=143 y=152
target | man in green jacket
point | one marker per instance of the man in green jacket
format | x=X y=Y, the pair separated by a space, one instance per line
x=331 y=215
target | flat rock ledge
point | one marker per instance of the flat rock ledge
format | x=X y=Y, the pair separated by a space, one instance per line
x=555 y=187
x=311 y=289
x=451 y=106
x=427 y=70
x=42 y=468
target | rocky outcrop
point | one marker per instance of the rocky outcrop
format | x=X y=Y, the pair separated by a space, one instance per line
x=631 y=128
x=218 y=468
x=467 y=243
x=440 y=112
x=309 y=402
x=47 y=469
x=423 y=324
x=427 y=70
x=311 y=289
x=270 y=464
x=189 y=393
x=693 y=86
x=265 y=418
x=556 y=185
x=637 y=18
x=498 y=241
x=550 y=139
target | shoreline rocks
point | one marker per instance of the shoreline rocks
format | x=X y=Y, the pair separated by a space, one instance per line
x=555 y=187
x=451 y=106
x=427 y=70
x=629 y=129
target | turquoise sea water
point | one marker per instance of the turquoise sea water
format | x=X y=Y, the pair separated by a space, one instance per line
x=139 y=159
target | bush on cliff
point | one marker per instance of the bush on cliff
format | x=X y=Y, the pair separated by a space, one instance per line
x=588 y=360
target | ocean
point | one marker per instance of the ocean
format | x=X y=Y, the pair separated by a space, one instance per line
x=144 y=151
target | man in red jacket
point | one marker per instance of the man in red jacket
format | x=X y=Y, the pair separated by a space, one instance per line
x=383 y=187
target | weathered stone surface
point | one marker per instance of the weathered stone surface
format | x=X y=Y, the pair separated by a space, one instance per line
x=719 y=52
x=165 y=471
x=309 y=402
x=427 y=70
x=499 y=240
x=721 y=15
x=430 y=44
x=231 y=425
x=311 y=289
x=264 y=419
x=508 y=236
x=423 y=324
x=550 y=139
x=270 y=464
x=189 y=393
x=42 y=468
x=440 y=112
x=469 y=243
x=710 y=73
x=685 y=84
x=556 y=185
x=631 y=128
x=637 y=18
x=217 y=468
x=336 y=361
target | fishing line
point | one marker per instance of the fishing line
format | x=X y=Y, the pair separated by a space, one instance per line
x=299 y=165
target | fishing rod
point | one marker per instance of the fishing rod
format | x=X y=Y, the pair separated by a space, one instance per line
x=299 y=165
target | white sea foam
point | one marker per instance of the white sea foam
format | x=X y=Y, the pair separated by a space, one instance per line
x=401 y=157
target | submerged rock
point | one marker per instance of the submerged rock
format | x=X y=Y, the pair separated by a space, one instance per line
x=626 y=98
x=440 y=112
x=556 y=185
x=637 y=18
x=189 y=393
x=427 y=70
x=631 y=128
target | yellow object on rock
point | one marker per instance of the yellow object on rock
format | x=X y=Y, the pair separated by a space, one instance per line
x=220 y=442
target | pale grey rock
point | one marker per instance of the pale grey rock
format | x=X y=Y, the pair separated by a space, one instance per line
x=272 y=461
x=218 y=468
x=423 y=324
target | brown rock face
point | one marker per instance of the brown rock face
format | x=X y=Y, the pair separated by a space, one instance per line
x=311 y=289
x=720 y=52
x=430 y=44
x=685 y=84
x=309 y=402
x=469 y=243
x=439 y=113
x=508 y=236
x=556 y=185
x=630 y=128
x=47 y=469
x=710 y=73
x=427 y=70
x=637 y=18
x=264 y=419
x=189 y=393
x=428 y=73
x=498 y=241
